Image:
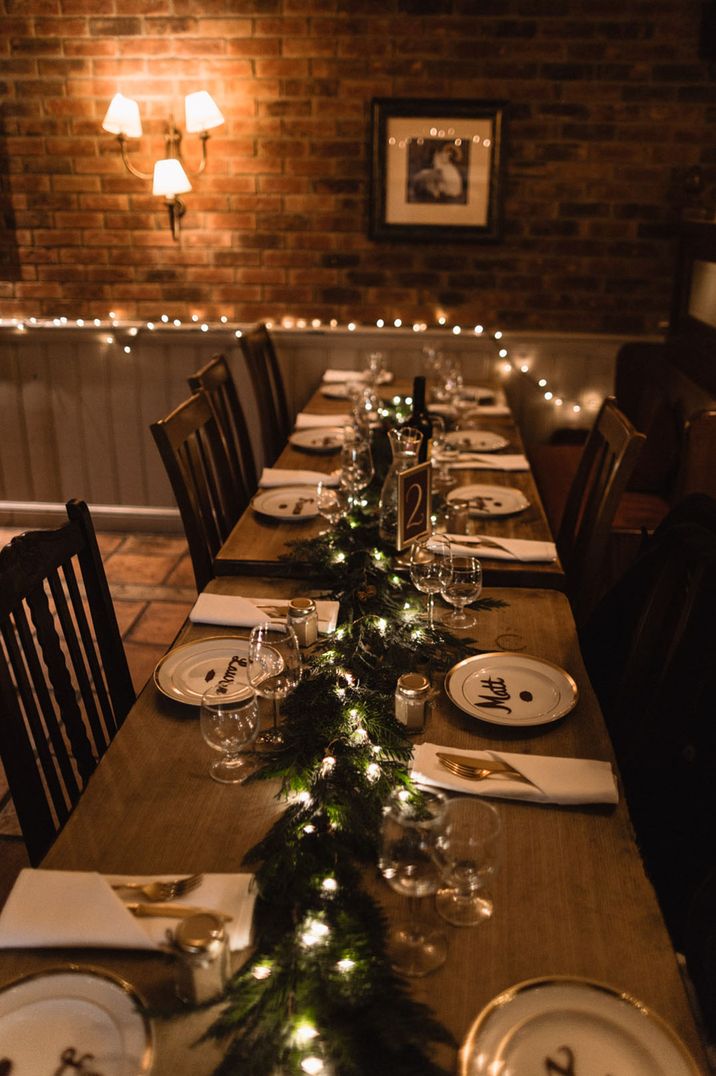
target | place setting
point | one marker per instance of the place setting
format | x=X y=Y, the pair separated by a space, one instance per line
x=490 y=501
x=289 y=495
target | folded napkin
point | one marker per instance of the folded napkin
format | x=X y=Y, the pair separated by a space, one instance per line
x=477 y=461
x=336 y=376
x=523 y=549
x=51 y=909
x=479 y=409
x=229 y=610
x=554 y=780
x=285 y=476
x=307 y=421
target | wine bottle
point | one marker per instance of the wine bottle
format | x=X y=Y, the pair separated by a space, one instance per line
x=420 y=419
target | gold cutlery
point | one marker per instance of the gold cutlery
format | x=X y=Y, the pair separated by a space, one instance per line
x=171 y=911
x=479 y=769
x=152 y=891
x=488 y=543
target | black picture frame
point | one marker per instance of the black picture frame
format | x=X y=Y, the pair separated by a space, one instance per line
x=436 y=169
x=414 y=504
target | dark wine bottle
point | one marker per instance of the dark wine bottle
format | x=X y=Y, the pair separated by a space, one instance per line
x=420 y=419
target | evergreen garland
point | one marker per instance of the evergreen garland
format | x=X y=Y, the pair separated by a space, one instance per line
x=319 y=996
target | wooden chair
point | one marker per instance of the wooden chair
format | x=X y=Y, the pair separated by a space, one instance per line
x=606 y=463
x=216 y=381
x=65 y=686
x=197 y=465
x=269 y=391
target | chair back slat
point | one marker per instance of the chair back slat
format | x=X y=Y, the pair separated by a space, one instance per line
x=65 y=685
x=267 y=382
x=197 y=465
x=215 y=380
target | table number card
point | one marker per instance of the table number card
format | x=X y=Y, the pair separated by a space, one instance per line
x=414 y=504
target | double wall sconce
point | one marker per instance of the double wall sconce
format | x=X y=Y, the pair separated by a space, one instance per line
x=169 y=178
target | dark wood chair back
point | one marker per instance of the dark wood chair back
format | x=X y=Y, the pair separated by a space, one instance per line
x=267 y=382
x=697 y=473
x=215 y=380
x=605 y=466
x=65 y=686
x=196 y=463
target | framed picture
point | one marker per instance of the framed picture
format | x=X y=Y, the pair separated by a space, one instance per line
x=435 y=169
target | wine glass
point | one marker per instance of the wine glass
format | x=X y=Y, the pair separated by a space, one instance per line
x=229 y=720
x=274 y=670
x=356 y=466
x=443 y=453
x=412 y=824
x=332 y=502
x=430 y=567
x=374 y=365
x=467 y=855
x=464 y=587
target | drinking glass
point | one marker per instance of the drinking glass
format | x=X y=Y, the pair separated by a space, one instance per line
x=467 y=856
x=374 y=365
x=274 y=670
x=229 y=720
x=412 y=824
x=332 y=502
x=356 y=466
x=464 y=587
x=443 y=453
x=430 y=568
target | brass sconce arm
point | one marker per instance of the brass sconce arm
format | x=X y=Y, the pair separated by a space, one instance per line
x=122 y=139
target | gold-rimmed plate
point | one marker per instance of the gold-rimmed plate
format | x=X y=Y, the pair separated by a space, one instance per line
x=290 y=504
x=187 y=671
x=488 y=501
x=85 y=1010
x=322 y=440
x=476 y=440
x=506 y=688
x=571 y=1025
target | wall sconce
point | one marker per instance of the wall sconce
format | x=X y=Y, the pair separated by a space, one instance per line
x=169 y=178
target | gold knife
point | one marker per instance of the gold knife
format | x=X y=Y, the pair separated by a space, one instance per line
x=171 y=911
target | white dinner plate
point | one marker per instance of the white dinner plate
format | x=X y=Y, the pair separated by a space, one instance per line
x=477 y=393
x=188 y=671
x=477 y=440
x=338 y=390
x=292 y=504
x=581 y=1027
x=490 y=500
x=323 y=439
x=506 y=688
x=85 y=1010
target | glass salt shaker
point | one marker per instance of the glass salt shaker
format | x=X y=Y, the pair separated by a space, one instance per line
x=202 y=947
x=412 y=701
x=303 y=618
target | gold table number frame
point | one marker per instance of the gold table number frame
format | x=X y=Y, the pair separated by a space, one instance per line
x=414 y=505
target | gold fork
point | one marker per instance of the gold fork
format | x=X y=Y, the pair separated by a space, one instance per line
x=475 y=772
x=163 y=891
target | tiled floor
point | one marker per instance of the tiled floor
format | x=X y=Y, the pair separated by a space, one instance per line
x=153 y=589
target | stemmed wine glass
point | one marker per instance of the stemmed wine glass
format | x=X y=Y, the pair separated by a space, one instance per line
x=430 y=568
x=467 y=855
x=464 y=587
x=444 y=451
x=356 y=466
x=413 y=822
x=332 y=502
x=274 y=670
x=374 y=365
x=229 y=720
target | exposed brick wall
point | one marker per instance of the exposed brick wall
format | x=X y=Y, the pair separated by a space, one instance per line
x=609 y=107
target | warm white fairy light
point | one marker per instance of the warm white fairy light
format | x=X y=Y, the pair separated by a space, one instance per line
x=312 y=1065
x=304 y=1032
x=327 y=764
x=524 y=368
x=478 y=330
x=503 y=353
x=558 y=401
x=261 y=971
x=309 y=828
x=380 y=323
x=109 y=339
x=329 y=885
x=205 y=328
x=304 y=797
x=177 y=323
x=316 y=323
x=351 y=326
x=150 y=326
x=131 y=331
x=338 y=557
x=346 y=965
x=238 y=334
x=372 y=772
x=195 y=317
x=576 y=408
x=127 y=349
x=314 y=932
x=548 y=395
x=165 y=318
x=456 y=330
x=497 y=335
x=223 y=319
x=79 y=323
x=442 y=320
x=542 y=382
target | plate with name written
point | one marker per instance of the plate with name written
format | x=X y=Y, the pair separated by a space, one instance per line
x=189 y=670
x=69 y=1019
x=564 y=1025
x=322 y=439
x=490 y=500
x=511 y=689
x=292 y=504
x=476 y=440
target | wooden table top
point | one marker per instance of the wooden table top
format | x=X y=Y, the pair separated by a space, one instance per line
x=257 y=542
x=571 y=896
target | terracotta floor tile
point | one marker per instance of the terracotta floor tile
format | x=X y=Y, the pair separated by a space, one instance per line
x=108 y=543
x=127 y=612
x=142 y=659
x=160 y=622
x=138 y=568
x=183 y=574
x=167 y=544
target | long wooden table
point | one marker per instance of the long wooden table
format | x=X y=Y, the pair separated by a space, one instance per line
x=571 y=896
x=257 y=543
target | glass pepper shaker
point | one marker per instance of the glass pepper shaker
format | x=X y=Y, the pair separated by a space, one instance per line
x=303 y=618
x=412 y=701
x=202 y=947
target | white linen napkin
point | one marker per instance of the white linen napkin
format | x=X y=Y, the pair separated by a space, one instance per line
x=285 y=476
x=307 y=421
x=523 y=549
x=230 y=610
x=51 y=909
x=477 y=461
x=480 y=409
x=332 y=377
x=554 y=780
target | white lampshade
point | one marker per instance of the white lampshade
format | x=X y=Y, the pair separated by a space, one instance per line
x=170 y=178
x=202 y=112
x=122 y=117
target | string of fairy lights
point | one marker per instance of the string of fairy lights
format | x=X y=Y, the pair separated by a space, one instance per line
x=125 y=334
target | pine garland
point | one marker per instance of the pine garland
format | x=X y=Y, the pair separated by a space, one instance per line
x=319 y=995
